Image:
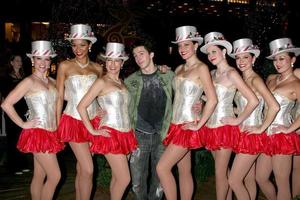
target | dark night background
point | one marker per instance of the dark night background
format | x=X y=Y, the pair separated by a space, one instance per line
x=126 y=20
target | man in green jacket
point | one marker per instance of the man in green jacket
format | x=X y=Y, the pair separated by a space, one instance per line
x=150 y=113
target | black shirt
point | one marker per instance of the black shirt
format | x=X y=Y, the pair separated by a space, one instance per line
x=151 y=108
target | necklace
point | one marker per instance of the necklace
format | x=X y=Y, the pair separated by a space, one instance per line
x=220 y=74
x=118 y=82
x=280 y=81
x=82 y=65
x=44 y=80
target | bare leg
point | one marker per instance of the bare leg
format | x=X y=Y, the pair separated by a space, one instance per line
x=282 y=165
x=221 y=170
x=170 y=157
x=250 y=182
x=77 y=181
x=229 y=193
x=240 y=168
x=37 y=180
x=120 y=175
x=186 y=183
x=263 y=172
x=296 y=176
x=50 y=166
x=85 y=166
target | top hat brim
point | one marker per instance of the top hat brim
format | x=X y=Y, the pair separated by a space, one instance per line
x=197 y=39
x=92 y=39
x=30 y=55
x=256 y=53
x=104 y=57
x=296 y=51
x=223 y=43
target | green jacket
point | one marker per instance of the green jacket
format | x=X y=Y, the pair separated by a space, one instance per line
x=134 y=85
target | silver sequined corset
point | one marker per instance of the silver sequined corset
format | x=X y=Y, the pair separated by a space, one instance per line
x=296 y=112
x=42 y=105
x=186 y=94
x=76 y=87
x=256 y=117
x=284 y=116
x=116 y=105
x=224 y=107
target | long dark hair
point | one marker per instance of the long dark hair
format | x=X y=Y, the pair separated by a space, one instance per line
x=11 y=70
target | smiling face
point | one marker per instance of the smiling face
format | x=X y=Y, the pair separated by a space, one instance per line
x=187 y=49
x=244 y=61
x=16 y=62
x=283 y=62
x=41 y=63
x=142 y=57
x=113 y=66
x=80 y=48
x=215 y=54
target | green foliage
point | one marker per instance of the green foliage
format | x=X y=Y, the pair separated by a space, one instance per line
x=104 y=172
x=203 y=165
x=265 y=68
x=297 y=198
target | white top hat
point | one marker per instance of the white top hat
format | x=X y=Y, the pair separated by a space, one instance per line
x=215 y=38
x=185 y=33
x=244 y=45
x=41 y=48
x=282 y=45
x=114 y=50
x=81 y=31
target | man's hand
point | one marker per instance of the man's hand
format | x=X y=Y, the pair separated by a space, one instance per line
x=163 y=68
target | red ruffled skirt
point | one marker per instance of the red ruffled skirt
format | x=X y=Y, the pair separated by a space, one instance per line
x=221 y=137
x=37 y=140
x=282 y=143
x=73 y=130
x=251 y=143
x=118 y=142
x=185 y=138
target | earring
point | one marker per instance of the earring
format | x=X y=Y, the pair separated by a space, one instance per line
x=252 y=64
x=292 y=64
x=90 y=50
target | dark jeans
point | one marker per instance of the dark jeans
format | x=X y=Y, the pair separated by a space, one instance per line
x=150 y=149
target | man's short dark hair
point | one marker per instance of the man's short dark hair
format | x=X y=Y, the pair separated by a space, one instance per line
x=142 y=42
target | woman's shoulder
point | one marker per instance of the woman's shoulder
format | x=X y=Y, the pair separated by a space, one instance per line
x=200 y=66
x=231 y=72
x=52 y=80
x=271 y=77
x=28 y=79
x=66 y=63
x=256 y=79
x=178 y=68
x=101 y=80
x=297 y=72
x=257 y=82
x=27 y=83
